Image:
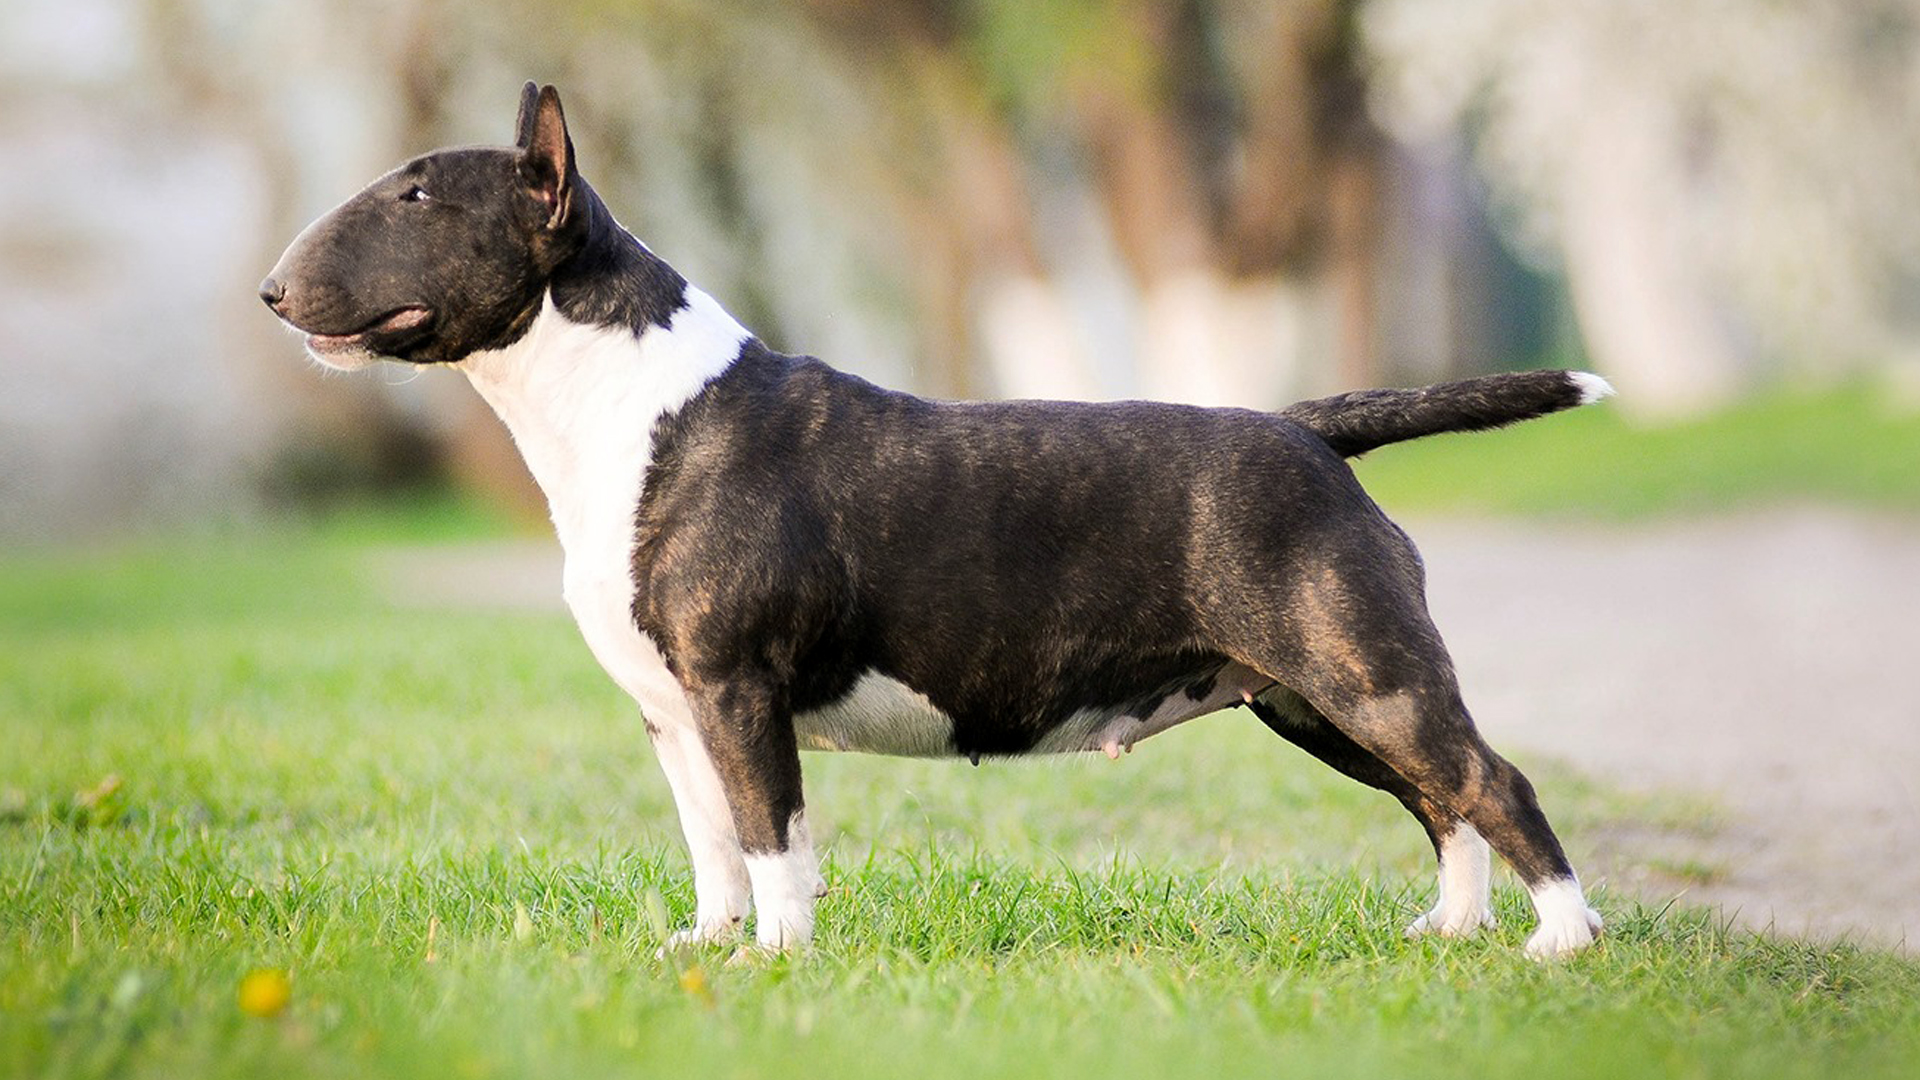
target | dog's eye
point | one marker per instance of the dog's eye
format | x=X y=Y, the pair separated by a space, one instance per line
x=416 y=193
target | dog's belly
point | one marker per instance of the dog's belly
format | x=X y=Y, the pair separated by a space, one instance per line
x=881 y=715
x=1115 y=730
x=878 y=716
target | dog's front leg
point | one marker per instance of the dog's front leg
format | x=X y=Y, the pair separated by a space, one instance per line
x=719 y=874
x=758 y=761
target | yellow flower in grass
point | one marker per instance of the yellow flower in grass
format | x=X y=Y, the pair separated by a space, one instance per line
x=265 y=992
x=694 y=981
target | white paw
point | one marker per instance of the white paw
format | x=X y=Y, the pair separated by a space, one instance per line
x=706 y=932
x=784 y=887
x=749 y=953
x=783 y=935
x=1452 y=923
x=1560 y=937
x=1461 y=904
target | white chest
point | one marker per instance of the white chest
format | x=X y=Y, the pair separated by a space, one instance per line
x=582 y=402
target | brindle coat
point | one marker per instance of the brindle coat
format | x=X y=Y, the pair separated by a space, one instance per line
x=1016 y=576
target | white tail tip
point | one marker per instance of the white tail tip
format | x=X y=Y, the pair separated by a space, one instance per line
x=1592 y=387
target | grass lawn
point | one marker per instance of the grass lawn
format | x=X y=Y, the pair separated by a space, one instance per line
x=445 y=831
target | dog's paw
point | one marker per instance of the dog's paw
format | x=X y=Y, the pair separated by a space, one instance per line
x=1444 y=923
x=710 y=932
x=1562 y=937
x=755 y=955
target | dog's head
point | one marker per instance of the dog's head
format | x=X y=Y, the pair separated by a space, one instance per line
x=444 y=256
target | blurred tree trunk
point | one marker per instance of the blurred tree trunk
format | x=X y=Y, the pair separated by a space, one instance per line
x=1351 y=147
x=1239 y=179
x=953 y=176
x=1354 y=213
x=1227 y=151
x=1637 y=291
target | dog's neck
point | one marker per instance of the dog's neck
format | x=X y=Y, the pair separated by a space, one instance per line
x=582 y=400
x=614 y=279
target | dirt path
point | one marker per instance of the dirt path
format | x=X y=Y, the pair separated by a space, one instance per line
x=1768 y=662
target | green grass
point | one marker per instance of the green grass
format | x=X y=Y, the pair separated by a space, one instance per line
x=1849 y=447
x=447 y=830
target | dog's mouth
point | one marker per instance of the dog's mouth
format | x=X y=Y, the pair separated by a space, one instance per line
x=391 y=326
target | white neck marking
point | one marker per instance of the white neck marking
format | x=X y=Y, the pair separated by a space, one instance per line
x=582 y=402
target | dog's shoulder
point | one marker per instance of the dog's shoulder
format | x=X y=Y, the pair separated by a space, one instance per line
x=768 y=411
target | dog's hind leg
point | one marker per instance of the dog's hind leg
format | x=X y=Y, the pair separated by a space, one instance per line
x=1425 y=734
x=757 y=758
x=1348 y=630
x=1464 y=903
x=1361 y=648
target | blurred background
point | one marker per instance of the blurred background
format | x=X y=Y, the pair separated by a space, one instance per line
x=1218 y=201
x=1714 y=203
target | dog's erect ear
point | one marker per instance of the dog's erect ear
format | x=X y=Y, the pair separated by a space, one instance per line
x=546 y=160
x=523 y=127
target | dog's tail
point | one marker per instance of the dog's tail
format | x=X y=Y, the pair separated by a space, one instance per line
x=1363 y=420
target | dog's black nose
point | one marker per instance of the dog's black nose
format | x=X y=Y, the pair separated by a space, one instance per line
x=272 y=292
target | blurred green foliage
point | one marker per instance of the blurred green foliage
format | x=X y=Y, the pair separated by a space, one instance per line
x=1842 y=447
